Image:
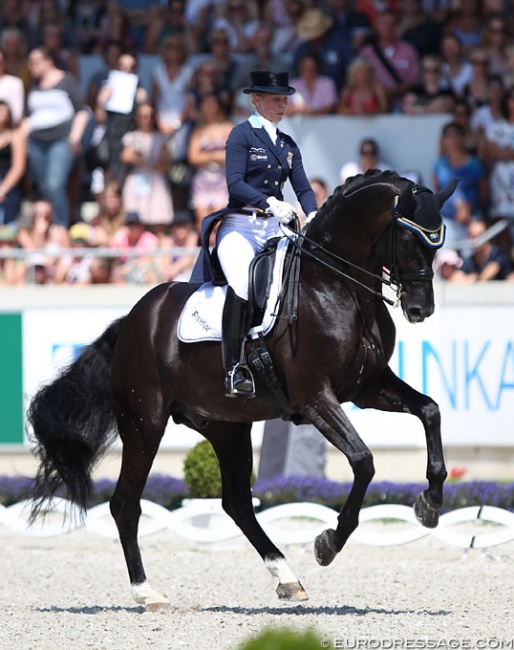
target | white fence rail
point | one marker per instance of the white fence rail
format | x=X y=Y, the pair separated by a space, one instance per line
x=203 y=520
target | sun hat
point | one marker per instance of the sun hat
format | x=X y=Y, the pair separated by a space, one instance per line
x=79 y=233
x=447 y=256
x=276 y=83
x=313 y=24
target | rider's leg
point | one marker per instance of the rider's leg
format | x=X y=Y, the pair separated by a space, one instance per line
x=234 y=325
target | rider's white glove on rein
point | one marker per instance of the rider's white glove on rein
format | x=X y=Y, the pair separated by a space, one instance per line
x=282 y=211
x=311 y=216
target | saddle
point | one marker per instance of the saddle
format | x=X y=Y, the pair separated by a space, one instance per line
x=259 y=281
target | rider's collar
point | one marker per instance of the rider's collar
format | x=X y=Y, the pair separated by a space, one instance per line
x=433 y=238
x=258 y=121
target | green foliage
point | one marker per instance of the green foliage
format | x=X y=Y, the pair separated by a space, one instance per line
x=283 y=639
x=202 y=472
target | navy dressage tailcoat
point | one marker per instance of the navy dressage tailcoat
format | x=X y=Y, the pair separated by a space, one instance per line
x=255 y=170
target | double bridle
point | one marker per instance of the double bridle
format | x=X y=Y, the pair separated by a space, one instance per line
x=396 y=278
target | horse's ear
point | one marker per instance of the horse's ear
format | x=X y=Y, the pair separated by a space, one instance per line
x=442 y=196
x=406 y=202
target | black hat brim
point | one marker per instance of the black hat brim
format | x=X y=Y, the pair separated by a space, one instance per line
x=270 y=90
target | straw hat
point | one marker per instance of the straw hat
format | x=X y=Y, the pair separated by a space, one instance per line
x=313 y=24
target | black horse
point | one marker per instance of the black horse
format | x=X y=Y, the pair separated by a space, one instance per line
x=137 y=374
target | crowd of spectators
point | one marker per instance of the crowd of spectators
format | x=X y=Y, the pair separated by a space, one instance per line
x=87 y=181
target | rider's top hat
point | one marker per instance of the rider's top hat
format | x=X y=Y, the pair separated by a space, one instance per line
x=276 y=83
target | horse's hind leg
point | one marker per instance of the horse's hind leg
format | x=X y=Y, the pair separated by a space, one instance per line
x=393 y=394
x=232 y=444
x=141 y=438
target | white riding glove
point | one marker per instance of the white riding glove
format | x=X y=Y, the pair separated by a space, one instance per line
x=311 y=216
x=282 y=211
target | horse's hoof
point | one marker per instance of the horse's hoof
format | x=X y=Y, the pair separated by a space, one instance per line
x=325 y=549
x=292 y=591
x=158 y=608
x=426 y=514
x=153 y=601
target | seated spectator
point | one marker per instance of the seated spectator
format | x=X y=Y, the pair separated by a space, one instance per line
x=354 y=24
x=239 y=19
x=396 y=62
x=362 y=94
x=205 y=81
x=282 y=16
x=430 y=96
x=226 y=64
x=480 y=119
x=319 y=34
x=12 y=14
x=63 y=53
x=170 y=21
x=262 y=57
x=446 y=262
x=86 y=21
x=100 y=270
x=461 y=114
x=14 y=46
x=110 y=217
x=13 y=164
x=146 y=188
x=183 y=234
x=418 y=28
x=369 y=158
x=495 y=39
x=498 y=154
x=487 y=261
x=12 y=91
x=12 y=270
x=75 y=269
x=133 y=236
x=206 y=155
x=138 y=14
x=321 y=192
x=54 y=100
x=316 y=94
x=38 y=231
x=466 y=22
x=467 y=202
x=457 y=70
x=476 y=92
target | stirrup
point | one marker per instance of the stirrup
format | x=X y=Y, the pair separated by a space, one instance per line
x=246 y=388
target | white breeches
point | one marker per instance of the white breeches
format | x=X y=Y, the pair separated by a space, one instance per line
x=240 y=237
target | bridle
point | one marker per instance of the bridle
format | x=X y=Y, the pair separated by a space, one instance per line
x=395 y=278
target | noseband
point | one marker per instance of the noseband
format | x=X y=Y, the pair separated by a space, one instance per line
x=432 y=238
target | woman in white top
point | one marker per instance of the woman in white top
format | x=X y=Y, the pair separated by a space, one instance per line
x=170 y=81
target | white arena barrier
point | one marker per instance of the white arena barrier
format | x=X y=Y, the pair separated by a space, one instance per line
x=204 y=521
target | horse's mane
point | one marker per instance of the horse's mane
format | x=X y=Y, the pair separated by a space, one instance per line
x=354 y=183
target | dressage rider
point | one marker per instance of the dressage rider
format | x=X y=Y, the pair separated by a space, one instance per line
x=259 y=160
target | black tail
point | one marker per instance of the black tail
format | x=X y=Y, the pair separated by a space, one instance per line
x=73 y=423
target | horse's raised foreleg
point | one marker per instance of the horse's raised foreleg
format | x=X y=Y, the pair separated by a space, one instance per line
x=328 y=417
x=232 y=444
x=141 y=440
x=393 y=394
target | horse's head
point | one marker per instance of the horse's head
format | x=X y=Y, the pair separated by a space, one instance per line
x=417 y=232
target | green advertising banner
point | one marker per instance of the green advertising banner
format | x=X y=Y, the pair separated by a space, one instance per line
x=11 y=380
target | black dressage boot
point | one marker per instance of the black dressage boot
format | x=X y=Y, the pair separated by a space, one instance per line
x=238 y=379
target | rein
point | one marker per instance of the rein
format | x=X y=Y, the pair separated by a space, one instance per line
x=432 y=238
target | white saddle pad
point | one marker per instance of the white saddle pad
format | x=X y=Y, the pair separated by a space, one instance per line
x=201 y=317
